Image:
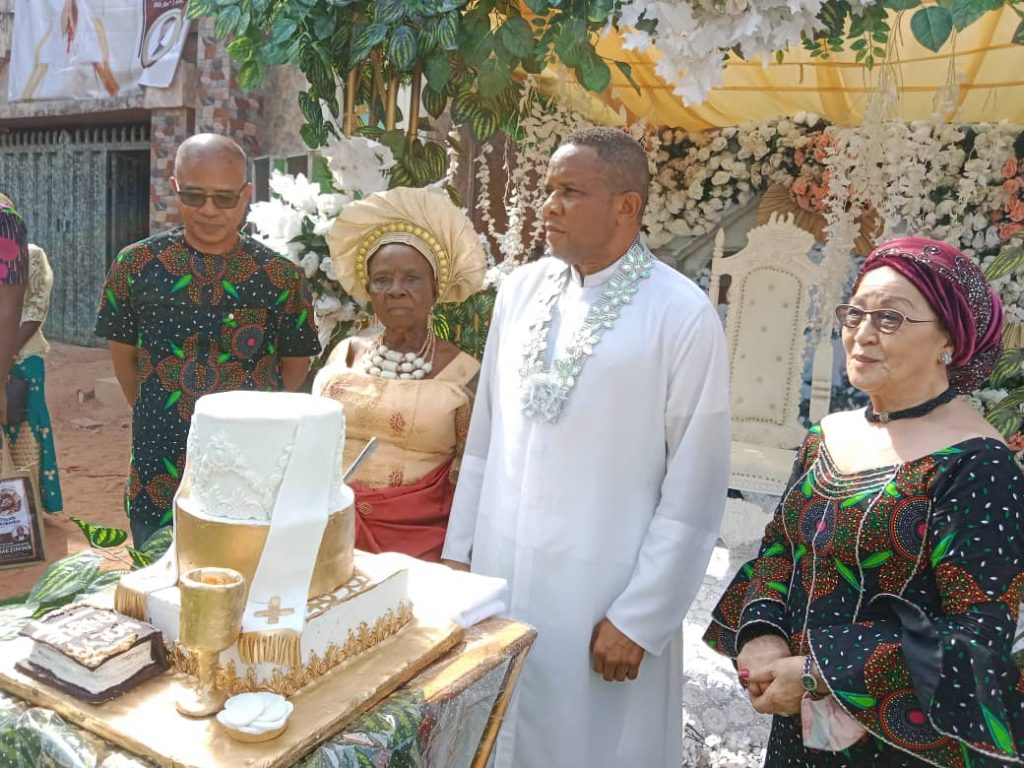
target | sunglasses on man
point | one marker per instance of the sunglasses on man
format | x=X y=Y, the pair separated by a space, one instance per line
x=195 y=198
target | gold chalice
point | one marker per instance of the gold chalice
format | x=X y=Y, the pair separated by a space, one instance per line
x=212 y=600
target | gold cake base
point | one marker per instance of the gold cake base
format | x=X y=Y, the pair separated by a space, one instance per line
x=145 y=721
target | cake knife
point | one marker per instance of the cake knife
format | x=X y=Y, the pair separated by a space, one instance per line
x=367 y=450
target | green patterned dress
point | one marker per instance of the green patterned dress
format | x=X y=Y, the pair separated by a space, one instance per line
x=908 y=580
x=202 y=323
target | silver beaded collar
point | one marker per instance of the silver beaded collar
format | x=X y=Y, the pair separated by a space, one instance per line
x=546 y=392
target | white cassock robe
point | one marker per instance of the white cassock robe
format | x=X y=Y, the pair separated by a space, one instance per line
x=613 y=511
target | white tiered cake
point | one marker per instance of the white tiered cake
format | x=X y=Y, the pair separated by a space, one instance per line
x=263 y=494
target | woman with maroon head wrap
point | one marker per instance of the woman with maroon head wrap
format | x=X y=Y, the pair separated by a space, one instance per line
x=877 y=621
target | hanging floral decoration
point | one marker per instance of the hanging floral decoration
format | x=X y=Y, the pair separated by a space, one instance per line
x=697 y=38
x=694 y=37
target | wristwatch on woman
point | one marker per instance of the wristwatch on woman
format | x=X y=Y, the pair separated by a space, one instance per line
x=809 y=681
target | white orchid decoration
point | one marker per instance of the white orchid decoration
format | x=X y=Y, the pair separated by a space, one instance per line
x=277 y=224
x=693 y=35
x=296 y=219
x=359 y=165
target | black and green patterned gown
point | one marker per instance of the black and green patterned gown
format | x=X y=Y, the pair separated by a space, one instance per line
x=909 y=580
x=202 y=323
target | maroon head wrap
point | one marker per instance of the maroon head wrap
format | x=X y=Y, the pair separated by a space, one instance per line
x=960 y=295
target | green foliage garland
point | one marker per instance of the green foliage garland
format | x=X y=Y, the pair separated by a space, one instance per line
x=868 y=32
x=466 y=50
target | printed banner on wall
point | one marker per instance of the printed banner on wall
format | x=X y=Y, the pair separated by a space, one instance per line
x=93 y=49
x=164 y=31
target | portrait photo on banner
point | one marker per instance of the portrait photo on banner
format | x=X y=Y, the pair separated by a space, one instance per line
x=21 y=535
x=94 y=49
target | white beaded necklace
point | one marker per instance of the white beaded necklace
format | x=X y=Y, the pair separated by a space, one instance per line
x=391 y=364
x=545 y=392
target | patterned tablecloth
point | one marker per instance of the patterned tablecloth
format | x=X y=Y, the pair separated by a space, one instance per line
x=447 y=716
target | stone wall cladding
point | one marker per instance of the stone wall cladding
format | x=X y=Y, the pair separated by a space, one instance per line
x=282 y=118
x=168 y=128
x=220 y=107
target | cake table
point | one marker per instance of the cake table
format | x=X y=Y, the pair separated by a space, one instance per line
x=448 y=715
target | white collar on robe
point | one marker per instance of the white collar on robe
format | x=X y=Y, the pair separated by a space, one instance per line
x=597 y=279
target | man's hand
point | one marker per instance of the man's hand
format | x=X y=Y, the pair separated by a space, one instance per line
x=125 y=360
x=455 y=565
x=756 y=656
x=614 y=655
x=293 y=372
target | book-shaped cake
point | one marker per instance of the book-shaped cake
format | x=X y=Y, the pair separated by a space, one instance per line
x=91 y=653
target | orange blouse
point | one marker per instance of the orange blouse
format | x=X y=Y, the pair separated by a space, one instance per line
x=419 y=424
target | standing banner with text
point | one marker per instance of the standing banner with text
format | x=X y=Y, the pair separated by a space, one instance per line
x=93 y=49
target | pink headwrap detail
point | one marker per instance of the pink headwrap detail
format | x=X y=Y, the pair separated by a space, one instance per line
x=957 y=290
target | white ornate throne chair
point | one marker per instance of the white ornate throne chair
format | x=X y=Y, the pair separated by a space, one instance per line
x=771 y=318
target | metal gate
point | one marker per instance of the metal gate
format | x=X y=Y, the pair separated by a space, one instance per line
x=84 y=194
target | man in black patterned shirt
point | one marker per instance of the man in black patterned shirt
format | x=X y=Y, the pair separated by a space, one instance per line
x=13 y=278
x=198 y=310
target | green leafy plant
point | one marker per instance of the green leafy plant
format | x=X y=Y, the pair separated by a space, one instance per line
x=868 y=31
x=465 y=325
x=461 y=55
x=82 y=573
x=1007 y=416
x=469 y=51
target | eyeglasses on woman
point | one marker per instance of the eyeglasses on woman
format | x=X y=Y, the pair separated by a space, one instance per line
x=885 y=320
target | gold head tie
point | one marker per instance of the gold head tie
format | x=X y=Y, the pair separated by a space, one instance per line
x=423 y=219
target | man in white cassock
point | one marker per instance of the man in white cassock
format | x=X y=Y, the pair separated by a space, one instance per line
x=595 y=472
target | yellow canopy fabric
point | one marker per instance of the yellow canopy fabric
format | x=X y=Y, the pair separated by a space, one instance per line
x=989 y=66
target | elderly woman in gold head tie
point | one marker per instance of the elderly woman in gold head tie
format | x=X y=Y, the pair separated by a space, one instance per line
x=403 y=251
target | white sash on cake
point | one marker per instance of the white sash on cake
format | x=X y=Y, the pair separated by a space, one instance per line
x=276 y=609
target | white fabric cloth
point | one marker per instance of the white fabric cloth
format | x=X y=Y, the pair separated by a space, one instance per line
x=611 y=512
x=437 y=591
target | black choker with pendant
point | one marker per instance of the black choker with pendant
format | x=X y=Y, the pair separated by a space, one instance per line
x=909 y=413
